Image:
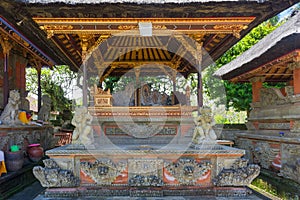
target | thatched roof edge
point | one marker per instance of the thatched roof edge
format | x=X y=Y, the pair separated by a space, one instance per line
x=124 y=1
x=292 y=26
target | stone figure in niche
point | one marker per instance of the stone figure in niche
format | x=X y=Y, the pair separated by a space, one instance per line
x=44 y=113
x=124 y=98
x=25 y=105
x=83 y=132
x=11 y=110
x=204 y=127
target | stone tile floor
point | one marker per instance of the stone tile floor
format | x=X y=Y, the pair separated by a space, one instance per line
x=35 y=192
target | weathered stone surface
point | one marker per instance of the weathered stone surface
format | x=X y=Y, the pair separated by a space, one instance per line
x=240 y=174
x=53 y=176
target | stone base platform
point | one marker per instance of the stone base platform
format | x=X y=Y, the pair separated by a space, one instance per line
x=146 y=171
x=146 y=192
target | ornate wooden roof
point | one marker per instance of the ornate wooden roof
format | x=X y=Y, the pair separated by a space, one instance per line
x=269 y=58
x=67 y=33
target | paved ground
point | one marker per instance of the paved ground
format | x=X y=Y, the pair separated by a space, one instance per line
x=35 y=191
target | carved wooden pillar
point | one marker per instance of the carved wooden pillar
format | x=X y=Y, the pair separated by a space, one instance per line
x=137 y=94
x=38 y=67
x=295 y=66
x=199 y=69
x=6 y=47
x=256 y=86
x=174 y=74
x=84 y=46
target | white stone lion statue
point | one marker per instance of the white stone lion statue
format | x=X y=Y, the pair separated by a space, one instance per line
x=44 y=113
x=11 y=110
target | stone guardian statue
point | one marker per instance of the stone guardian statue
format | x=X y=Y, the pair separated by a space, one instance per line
x=204 y=131
x=10 y=113
x=83 y=132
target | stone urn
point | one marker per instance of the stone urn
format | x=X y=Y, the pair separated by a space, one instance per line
x=35 y=152
x=14 y=160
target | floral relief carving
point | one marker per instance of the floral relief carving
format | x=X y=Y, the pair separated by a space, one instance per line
x=103 y=171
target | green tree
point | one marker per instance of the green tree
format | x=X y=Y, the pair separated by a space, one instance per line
x=57 y=83
x=238 y=95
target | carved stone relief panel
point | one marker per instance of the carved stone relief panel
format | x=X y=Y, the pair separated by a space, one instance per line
x=290 y=162
x=188 y=171
x=104 y=171
x=145 y=172
x=53 y=176
x=240 y=174
x=264 y=154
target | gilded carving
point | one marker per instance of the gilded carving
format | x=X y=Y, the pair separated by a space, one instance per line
x=103 y=171
x=53 y=176
x=240 y=174
x=101 y=97
x=187 y=170
x=230 y=27
x=127 y=27
x=56 y=27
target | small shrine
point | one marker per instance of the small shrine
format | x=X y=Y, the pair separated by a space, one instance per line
x=272 y=139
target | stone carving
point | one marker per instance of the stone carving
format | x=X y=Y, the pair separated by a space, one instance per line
x=53 y=176
x=278 y=126
x=44 y=113
x=152 y=98
x=240 y=174
x=119 y=131
x=141 y=130
x=124 y=98
x=145 y=172
x=9 y=115
x=247 y=145
x=204 y=131
x=188 y=170
x=289 y=90
x=296 y=127
x=264 y=154
x=83 y=132
x=104 y=171
x=291 y=170
x=272 y=96
x=25 y=104
x=290 y=162
x=144 y=180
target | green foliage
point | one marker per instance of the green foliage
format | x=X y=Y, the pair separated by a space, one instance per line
x=237 y=95
x=56 y=83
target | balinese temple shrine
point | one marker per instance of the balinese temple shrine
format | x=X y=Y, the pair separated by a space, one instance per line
x=141 y=141
x=272 y=139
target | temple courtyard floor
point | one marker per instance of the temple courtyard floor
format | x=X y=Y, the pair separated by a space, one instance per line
x=35 y=191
